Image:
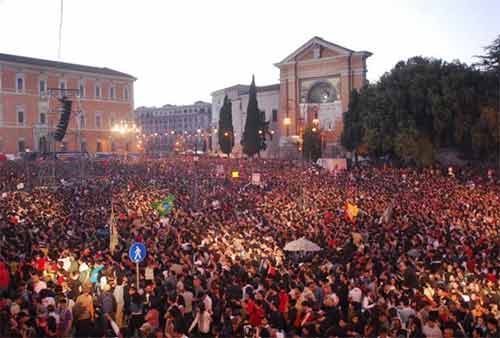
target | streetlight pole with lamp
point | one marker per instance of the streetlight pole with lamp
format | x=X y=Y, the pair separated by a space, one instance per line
x=198 y=133
x=124 y=129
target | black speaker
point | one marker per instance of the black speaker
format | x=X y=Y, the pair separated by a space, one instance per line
x=64 y=121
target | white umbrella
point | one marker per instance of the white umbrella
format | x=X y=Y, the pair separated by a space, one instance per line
x=302 y=244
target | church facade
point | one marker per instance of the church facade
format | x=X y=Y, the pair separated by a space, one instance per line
x=315 y=84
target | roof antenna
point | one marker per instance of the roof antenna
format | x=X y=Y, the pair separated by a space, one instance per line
x=60 y=31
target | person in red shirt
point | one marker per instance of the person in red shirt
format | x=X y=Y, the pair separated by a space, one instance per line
x=471 y=264
x=255 y=311
x=283 y=297
x=4 y=277
x=328 y=217
x=468 y=251
x=491 y=276
x=41 y=263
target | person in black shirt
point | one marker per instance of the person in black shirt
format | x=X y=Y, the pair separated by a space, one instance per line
x=276 y=318
x=343 y=294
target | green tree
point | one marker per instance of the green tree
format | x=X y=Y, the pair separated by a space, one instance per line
x=225 y=131
x=251 y=140
x=490 y=61
x=312 y=149
x=263 y=131
x=421 y=105
x=352 y=134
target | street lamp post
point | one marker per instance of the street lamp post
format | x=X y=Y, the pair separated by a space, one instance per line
x=498 y=120
x=195 y=184
x=125 y=129
x=198 y=133
x=315 y=129
x=287 y=121
x=27 y=152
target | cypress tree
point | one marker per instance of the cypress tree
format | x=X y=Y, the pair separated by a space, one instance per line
x=251 y=140
x=312 y=144
x=225 y=133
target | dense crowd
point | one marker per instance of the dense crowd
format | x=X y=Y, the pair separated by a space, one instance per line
x=421 y=259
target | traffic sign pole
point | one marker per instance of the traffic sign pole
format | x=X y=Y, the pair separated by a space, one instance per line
x=137 y=274
x=137 y=253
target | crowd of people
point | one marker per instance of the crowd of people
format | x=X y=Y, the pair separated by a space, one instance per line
x=420 y=258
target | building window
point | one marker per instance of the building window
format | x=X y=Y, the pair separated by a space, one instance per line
x=275 y=115
x=20 y=117
x=125 y=93
x=97 y=91
x=42 y=86
x=62 y=84
x=42 y=145
x=21 y=146
x=20 y=83
x=112 y=120
x=43 y=118
x=98 y=120
x=83 y=146
x=82 y=89
x=113 y=147
x=98 y=147
x=82 y=119
x=111 y=92
x=317 y=52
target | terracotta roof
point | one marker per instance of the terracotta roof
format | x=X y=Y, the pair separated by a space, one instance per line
x=62 y=65
x=244 y=89
x=262 y=89
x=322 y=42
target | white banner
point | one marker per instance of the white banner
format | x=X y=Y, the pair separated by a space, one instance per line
x=256 y=178
x=219 y=170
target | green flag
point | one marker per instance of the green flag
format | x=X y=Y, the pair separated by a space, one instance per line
x=165 y=205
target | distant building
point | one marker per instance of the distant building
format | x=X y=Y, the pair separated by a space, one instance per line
x=164 y=125
x=315 y=85
x=29 y=115
x=268 y=100
x=169 y=118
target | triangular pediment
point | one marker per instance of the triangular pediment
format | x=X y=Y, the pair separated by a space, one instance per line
x=316 y=48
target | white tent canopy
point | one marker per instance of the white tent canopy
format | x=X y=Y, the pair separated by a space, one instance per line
x=302 y=244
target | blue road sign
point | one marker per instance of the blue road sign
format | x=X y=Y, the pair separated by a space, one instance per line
x=137 y=252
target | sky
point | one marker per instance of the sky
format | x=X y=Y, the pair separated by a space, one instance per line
x=182 y=50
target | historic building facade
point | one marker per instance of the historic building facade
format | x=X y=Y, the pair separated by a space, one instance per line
x=268 y=100
x=170 y=118
x=29 y=113
x=189 y=125
x=315 y=84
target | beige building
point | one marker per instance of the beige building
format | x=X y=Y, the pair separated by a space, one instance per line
x=268 y=100
x=315 y=84
x=102 y=97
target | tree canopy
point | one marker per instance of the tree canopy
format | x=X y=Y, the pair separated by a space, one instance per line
x=490 y=61
x=425 y=104
x=312 y=147
x=225 y=132
x=256 y=126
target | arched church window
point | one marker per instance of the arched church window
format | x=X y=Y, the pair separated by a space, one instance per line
x=322 y=92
